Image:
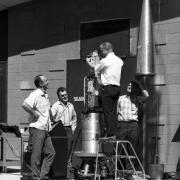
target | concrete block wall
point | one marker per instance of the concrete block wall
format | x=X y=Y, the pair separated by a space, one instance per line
x=167 y=59
x=37 y=46
x=42 y=36
x=167 y=86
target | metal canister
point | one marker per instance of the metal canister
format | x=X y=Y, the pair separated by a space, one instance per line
x=90 y=132
x=156 y=171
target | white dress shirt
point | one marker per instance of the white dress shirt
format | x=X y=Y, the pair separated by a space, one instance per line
x=110 y=69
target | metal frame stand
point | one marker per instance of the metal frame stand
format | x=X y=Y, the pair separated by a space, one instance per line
x=118 y=146
x=4 y=163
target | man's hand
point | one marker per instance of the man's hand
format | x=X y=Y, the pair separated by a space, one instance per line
x=30 y=110
x=35 y=115
x=92 y=59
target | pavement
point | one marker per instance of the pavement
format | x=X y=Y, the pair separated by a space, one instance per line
x=12 y=173
x=7 y=176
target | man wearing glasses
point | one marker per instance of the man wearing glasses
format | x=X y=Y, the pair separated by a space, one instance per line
x=64 y=111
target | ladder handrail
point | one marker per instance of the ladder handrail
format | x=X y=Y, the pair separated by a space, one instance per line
x=122 y=143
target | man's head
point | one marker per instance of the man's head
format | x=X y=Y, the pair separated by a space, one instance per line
x=62 y=95
x=104 y=49
x=133 y=88
x=41 y=82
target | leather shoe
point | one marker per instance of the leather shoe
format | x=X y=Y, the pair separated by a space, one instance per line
x=111 y=137
x=108 y=138
x=44 y=178
x=35 y=178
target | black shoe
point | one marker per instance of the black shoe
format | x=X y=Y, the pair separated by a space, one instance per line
x=108 y=138
x=111 y=137
x=35 y=178
x=129 y=177
x=45 y=178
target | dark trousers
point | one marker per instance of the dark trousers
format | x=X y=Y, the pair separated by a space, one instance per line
x=70 y=139
x=69 y=135
x=41 y=147
x=109 y=96
x=128 y=131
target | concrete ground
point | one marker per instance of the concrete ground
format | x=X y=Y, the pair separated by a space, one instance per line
x=12 y=173
x=10 y=176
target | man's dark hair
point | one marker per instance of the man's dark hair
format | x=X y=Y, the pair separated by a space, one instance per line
x=106 y=45
x=37 y=80
x=60 y=89
x=137 y=88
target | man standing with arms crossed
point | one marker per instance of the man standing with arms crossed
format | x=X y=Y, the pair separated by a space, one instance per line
x=109 y=68
x=38 y=106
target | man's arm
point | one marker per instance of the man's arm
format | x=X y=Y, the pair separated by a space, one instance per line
x=94 y=61
x=144 y=95
x=30 y=110
x=74 y=120
x=99 y=67
x=53 y=112
x=51 y=116
x=56 y=119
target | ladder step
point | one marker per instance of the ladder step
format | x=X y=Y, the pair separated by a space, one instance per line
x=130 y=171
x=89 y=175
x=124 y=156
x=108 y=139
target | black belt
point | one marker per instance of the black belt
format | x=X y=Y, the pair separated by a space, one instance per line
x=67 y=126
x=127 y=121
x=110 y=85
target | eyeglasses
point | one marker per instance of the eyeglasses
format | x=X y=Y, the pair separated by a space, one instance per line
x=64 y=95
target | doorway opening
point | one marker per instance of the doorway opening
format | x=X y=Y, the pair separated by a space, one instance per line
x=116 y=31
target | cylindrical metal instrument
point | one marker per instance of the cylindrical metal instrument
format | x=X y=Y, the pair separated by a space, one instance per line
x=91 y=92
x=90 y=132
x=145 y=47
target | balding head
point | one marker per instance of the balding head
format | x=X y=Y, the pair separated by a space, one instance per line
x=106 y=45
x=105 y=48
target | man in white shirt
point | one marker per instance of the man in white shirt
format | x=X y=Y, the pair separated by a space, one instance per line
x=64 y=111
x=109 y=68
x=38 y=106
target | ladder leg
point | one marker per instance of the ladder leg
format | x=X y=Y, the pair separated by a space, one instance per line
x=97 y=157
x=130 y=161
x=139 y=162
x=134 y=155
x=116 y=160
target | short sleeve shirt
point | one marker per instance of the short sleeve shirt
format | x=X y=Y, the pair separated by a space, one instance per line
x=64 y=113
x=38 y=100
x=111 y=72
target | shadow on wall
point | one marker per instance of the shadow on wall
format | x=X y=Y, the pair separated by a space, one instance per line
x=41 y=24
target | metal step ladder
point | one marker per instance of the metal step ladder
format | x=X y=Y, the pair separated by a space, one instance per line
x=120 y=152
